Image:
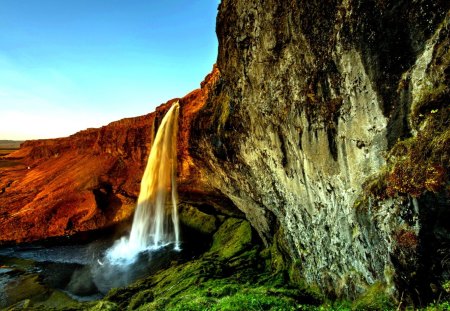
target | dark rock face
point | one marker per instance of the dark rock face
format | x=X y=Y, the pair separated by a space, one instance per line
x=298 y=130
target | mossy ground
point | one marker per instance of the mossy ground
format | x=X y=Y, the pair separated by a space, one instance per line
x=235 y=274
x=232 y=275
x=206 y=284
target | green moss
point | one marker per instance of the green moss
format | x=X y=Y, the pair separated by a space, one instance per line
x=140 y=299
x=439 y=306
x=197 y=220
x=225 y=294
x=276 y=255
x=121 y=296
x=216 y=295
x=104 y=306
x=224 y=290
x=25 y=287
x=375 y=298
x=59 y=300
x=446 y=286
x=195 y=303
x=231 y=276
x=255 y=300
x=232 y=238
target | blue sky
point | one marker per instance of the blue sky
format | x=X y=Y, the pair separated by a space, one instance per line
x=73 y=64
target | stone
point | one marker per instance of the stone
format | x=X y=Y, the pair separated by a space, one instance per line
x=233 y=237
x=197 y=220
x=311 y=99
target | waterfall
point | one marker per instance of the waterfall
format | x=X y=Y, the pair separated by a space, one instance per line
x=155 y=222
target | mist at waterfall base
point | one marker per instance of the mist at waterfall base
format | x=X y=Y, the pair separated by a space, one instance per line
x=87 y=271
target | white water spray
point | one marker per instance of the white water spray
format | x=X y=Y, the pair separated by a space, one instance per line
x=155 y=222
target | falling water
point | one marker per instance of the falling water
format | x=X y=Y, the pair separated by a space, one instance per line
x=155 y=222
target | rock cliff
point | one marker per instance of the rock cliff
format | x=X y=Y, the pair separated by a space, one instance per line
x=325 y=124
x=86 y=181
x=82 y=182
x=329 y=129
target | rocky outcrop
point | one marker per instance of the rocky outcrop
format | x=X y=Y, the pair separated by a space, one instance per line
x=304 y=133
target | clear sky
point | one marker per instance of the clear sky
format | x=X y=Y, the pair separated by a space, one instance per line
x=66 y=65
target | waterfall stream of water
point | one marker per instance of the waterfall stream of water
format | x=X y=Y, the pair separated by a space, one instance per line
x=155 y=222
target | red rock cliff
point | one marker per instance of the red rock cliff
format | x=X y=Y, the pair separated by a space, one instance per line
x=91 y=179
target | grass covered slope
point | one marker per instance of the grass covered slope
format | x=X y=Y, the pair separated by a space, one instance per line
x=230 y=276
x=235 y=273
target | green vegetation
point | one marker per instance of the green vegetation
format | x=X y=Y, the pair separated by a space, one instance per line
x=446 y=286
x=235 y=274
x=442 y=306
x=227 y=245
x=375 y=298
x=218 y=293
x=197 y=220
x=230 y=276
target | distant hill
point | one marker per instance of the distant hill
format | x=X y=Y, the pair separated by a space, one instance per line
x=10 y=144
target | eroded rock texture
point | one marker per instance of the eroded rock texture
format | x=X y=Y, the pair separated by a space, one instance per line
x=299 y=128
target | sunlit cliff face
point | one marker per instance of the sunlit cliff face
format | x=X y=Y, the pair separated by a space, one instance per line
x=91 y=180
